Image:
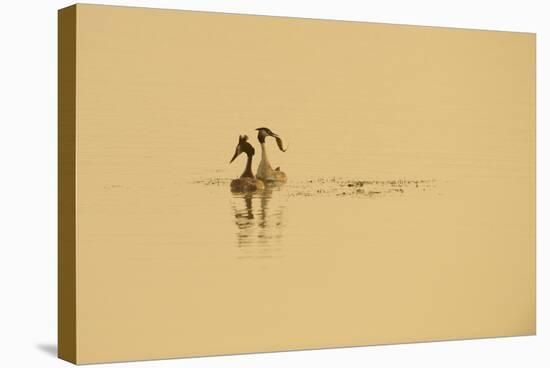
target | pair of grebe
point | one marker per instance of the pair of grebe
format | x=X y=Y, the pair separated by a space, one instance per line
x=265 y=173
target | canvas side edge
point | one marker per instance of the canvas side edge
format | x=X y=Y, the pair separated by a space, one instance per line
x=66 y=334
x=534 y=40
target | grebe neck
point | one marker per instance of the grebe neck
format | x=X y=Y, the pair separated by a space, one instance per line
x=248 y=169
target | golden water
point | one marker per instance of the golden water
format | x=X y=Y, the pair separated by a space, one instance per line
x=408 y=214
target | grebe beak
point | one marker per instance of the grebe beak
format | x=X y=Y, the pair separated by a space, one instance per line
x=237 y=153
x=276 y=136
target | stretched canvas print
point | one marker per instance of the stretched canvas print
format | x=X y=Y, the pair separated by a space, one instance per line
x=236 y=183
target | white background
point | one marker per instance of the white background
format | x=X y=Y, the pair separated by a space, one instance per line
x=28 y=185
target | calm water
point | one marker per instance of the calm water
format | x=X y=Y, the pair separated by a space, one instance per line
x=357 y=229
x=268 y=224
x=408 y=214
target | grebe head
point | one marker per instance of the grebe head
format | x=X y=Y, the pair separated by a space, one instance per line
x=243 y=146
x=266 y=132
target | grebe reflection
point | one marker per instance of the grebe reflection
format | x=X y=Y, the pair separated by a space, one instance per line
x=259 y=217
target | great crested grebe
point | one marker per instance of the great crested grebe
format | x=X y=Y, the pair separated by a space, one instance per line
x=265 y=171
x=247 y=182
